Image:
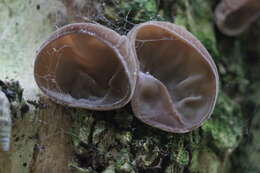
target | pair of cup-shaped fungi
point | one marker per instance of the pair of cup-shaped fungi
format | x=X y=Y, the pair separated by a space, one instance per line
x=166 y=72
x=234 y=16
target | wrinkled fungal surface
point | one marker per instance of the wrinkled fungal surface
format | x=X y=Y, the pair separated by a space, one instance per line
x=86 y=65
x=5 y=122
x=178 y=80
x=234 y=16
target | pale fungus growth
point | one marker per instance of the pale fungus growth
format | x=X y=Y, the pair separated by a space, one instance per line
x=178 y=80
x=234 y=16
x=86 y=65
x=5 y=123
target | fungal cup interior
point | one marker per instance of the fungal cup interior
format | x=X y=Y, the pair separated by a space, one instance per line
x=177 y=86
x=81 y=70
x=243 y=16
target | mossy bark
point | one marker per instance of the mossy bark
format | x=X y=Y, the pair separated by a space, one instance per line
x=51 y=138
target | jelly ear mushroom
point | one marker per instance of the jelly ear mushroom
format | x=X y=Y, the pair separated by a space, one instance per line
x=88 y=66
x=234 y=16
x=177 y=85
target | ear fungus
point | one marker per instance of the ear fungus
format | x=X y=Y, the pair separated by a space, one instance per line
x=234 y=16
x=5 y=122
x=88 y=66
x=177 y=87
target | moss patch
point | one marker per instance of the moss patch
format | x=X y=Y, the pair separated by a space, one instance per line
x=226 y=124
x=197 y=17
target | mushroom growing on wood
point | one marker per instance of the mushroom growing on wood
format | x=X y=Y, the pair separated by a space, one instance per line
x=177 y=87
x=234 y=16
x=86 y=65
x=5 y=122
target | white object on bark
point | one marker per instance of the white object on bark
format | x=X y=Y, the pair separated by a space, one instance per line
x=5 y=123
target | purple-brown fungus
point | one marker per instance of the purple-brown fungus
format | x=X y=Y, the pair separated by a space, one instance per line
x=86 y=65
x=234 y=16
x=177 y=86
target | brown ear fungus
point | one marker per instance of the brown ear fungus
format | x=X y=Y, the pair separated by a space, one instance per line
x=169 y=75
x=178 y=81
x=86 y=65
x=234 y=16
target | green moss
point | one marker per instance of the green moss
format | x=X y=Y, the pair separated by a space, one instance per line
x=197 y=17
x=123 y=162
x=226 y=124
x=126 y=148
x=82 y=134
x=124 y=137
x=249 y=161
x=147 y=151
x=142 y=10
x=173 y=168
x=254 y=96
x=235 y=80
x=110 y=169
x=103 y=136
x=205 y=161
x=245 y=53
x=124 y=14
x=181 y=156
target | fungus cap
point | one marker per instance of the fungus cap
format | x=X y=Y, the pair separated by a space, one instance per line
x=234 y=16
x=177 y=86
x=86 y=65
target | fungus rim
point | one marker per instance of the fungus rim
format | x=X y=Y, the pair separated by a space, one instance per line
x=191 y=41
x=88 y=29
